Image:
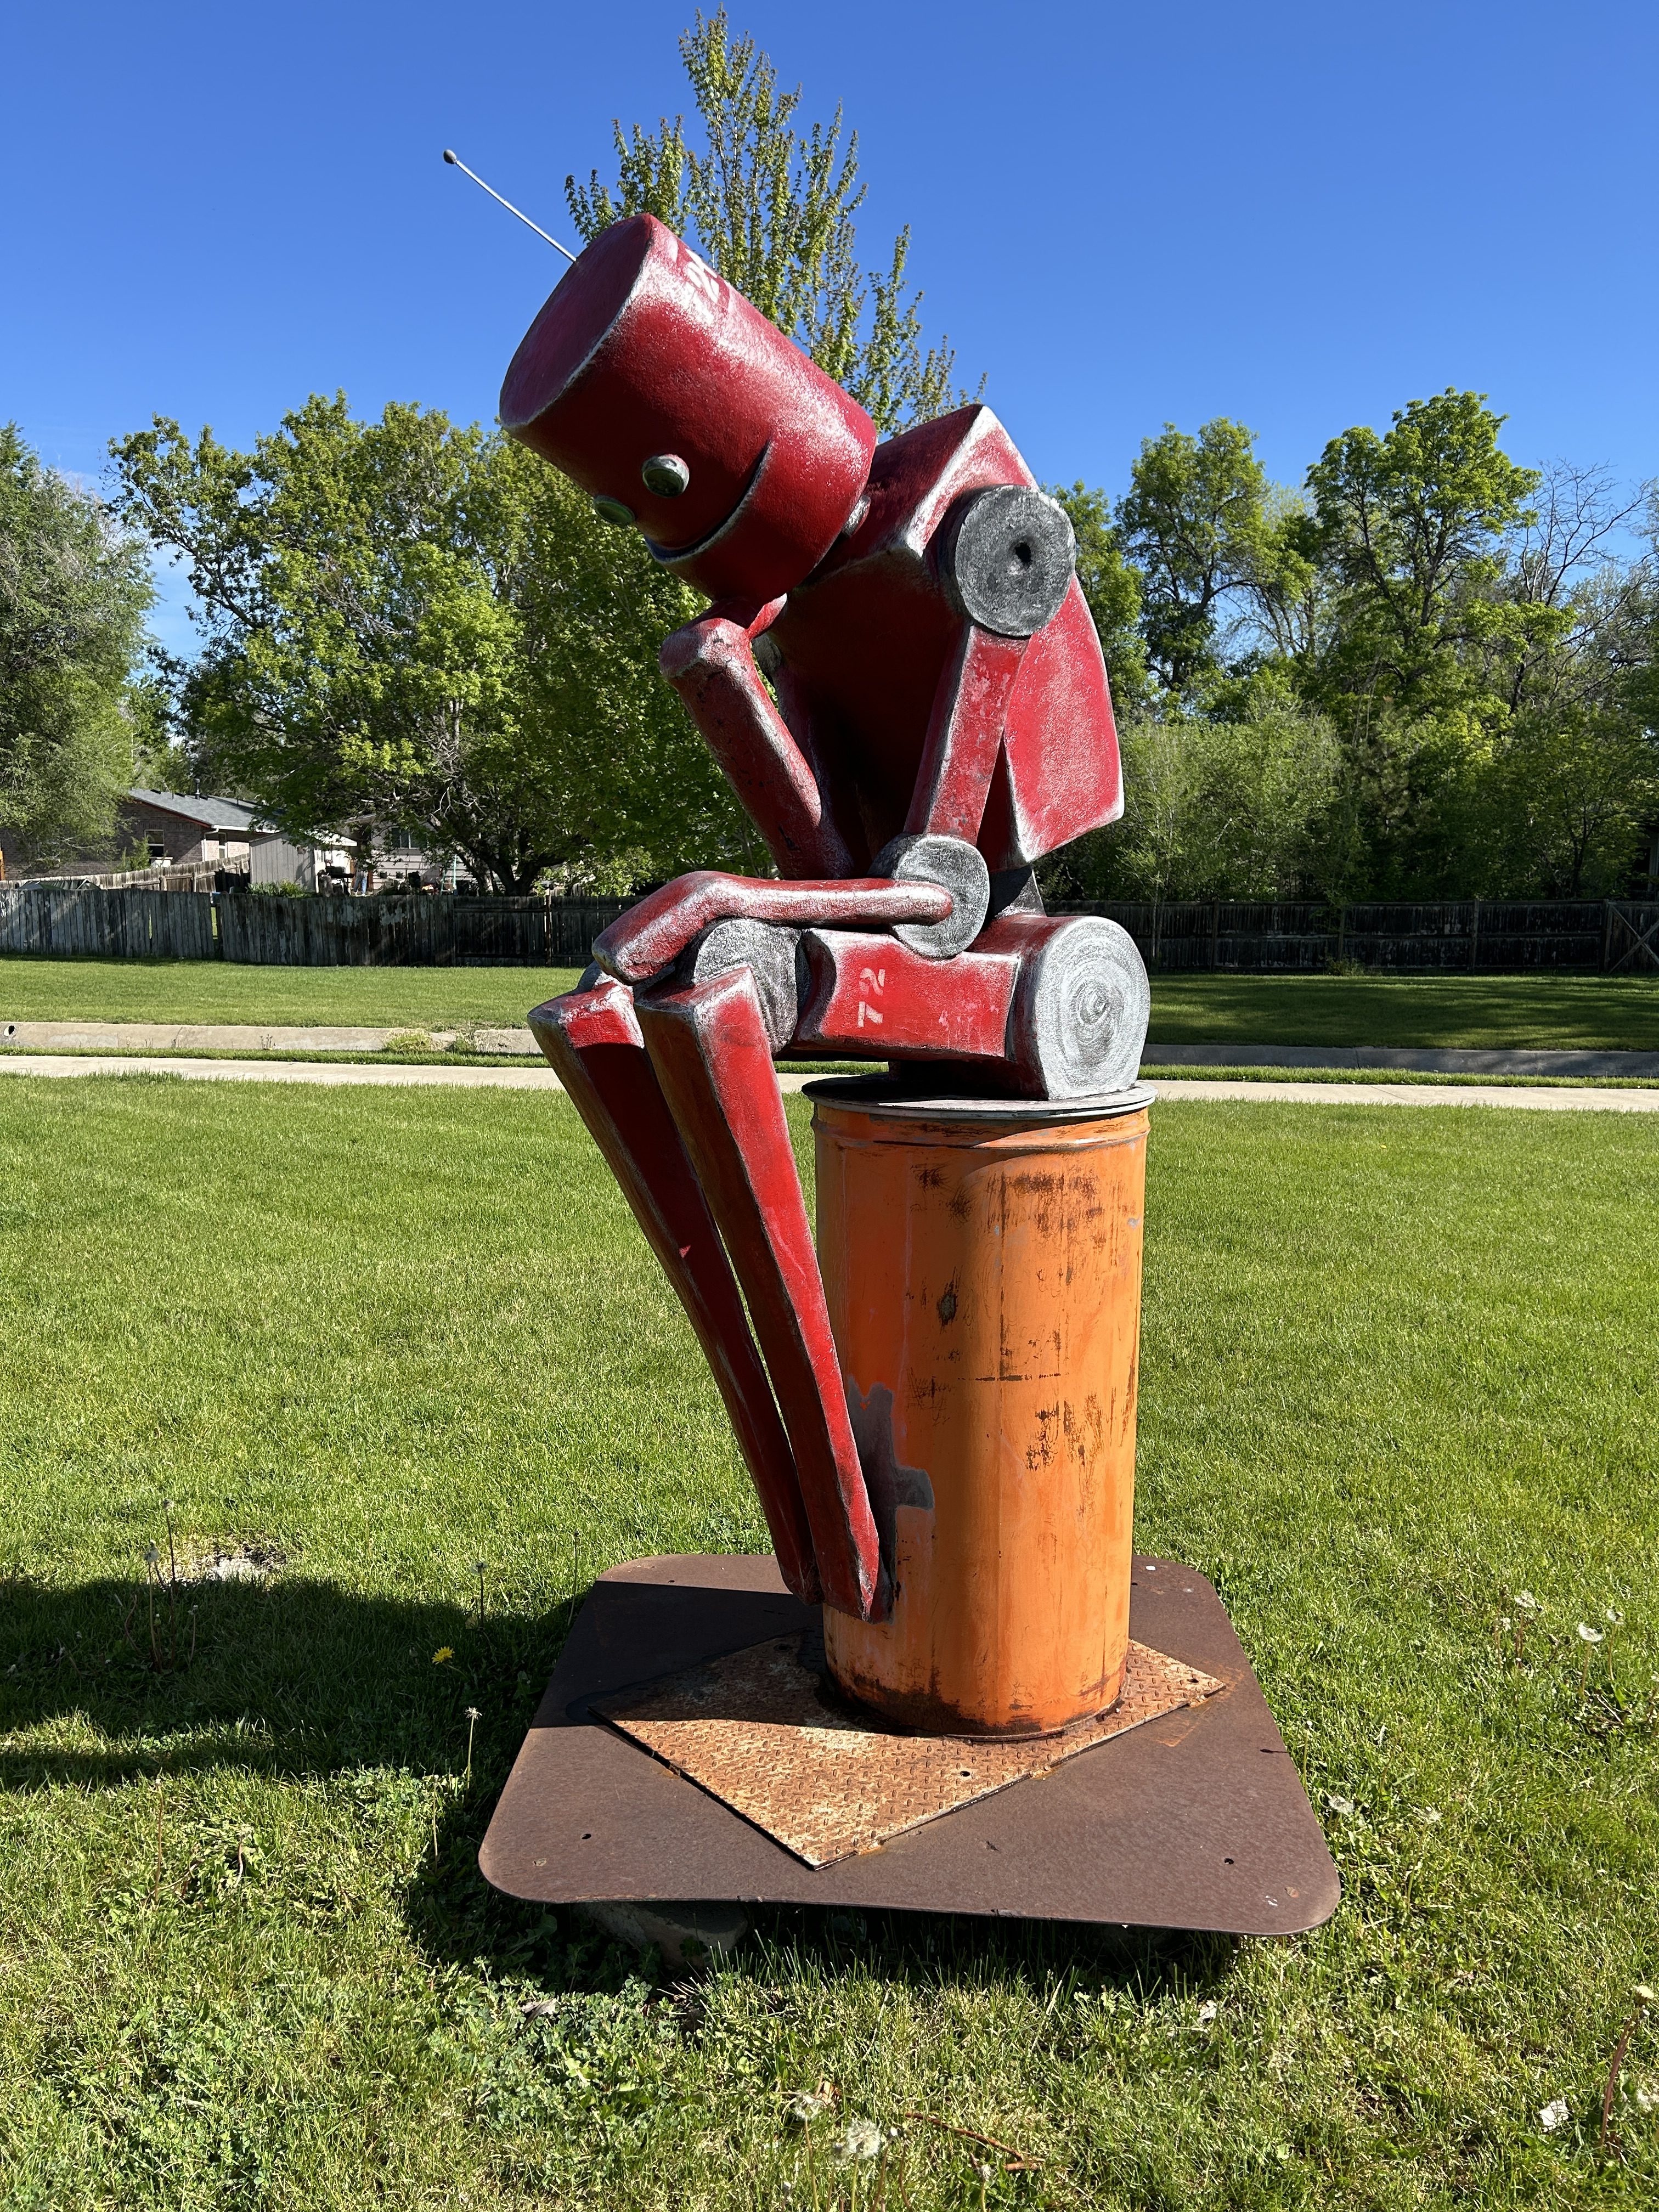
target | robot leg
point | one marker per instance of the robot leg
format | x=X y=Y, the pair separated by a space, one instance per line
x=714 y=1058
x=592 y=1040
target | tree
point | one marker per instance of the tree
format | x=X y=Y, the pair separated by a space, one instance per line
x=414 y=626
x=772 y=211
x=74 y=591
x=1244 y=807
x=1112 y=589
x=1588 y=607
x=1571 y=792
x=1411 y=526
x=1287 y=587
x=1192 y=522
x=1572 y=795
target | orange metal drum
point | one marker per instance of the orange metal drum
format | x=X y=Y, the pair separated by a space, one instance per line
x=982 y=1265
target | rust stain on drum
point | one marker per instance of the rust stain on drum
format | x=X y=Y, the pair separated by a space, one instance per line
x=762 y=1731
x=986 y=1273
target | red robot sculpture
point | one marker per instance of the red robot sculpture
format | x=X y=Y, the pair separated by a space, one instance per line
x=900 y=678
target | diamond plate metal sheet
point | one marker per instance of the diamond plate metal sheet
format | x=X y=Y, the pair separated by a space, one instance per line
x=762 y=1730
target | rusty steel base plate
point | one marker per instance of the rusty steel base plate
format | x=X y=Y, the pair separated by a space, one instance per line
x=763 y=1730
x=1195 y=1819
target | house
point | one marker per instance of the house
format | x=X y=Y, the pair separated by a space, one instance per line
x=319 y=863
x=184 y=832
x=179 y=829
x=176 y=829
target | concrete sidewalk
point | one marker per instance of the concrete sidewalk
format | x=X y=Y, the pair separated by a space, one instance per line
x=1422 y=1059
x=539 y=1078
x=245 y=1037
x=517 y=1044
x=1537 y=1096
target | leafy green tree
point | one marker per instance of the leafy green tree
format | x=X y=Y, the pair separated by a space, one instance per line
x=74 y=591
x=1193 y=523
x=1427 y=674
x=1570 y=795
x=414 y=626
x=1411 y=530
x=773 y=209
x=1571 y=798
x=1241 y=807
x=1584 y=614
x=1287 y=588
x=1414 y=532
x=1112 y=589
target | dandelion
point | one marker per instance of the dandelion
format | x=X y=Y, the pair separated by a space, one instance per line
x=807 y=2103
x=1644 y=1995
x=863 y=2140
x=1526 y=1602
x=1208 y=2011
x=443 y=1653
x=1342 y=1806
x=1611 y=1615
x=1553 y=2115
x=473 y=1717
x=1589 y=1634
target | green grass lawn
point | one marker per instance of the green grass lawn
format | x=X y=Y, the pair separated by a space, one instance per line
x=1611 y=1011
x=1614 y=1013
x=1398 y=1367
x=38 y=990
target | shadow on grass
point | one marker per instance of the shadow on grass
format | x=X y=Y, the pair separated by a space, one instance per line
x=299 y=1680
x=924 y=1948
x=289 y=1678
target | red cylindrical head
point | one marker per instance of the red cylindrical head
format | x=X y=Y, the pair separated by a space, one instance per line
x=656 y=386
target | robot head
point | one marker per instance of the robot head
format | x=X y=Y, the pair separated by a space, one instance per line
x=671 y=400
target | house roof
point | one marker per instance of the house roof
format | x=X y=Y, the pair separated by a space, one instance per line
x=209 y=813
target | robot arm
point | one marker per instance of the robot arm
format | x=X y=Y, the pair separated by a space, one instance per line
x=964 y=735
x=651 y=936
x=1006 y=556
x=711 y=664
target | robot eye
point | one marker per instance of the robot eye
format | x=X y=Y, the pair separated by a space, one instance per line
x=666 y=474
x=613 y=512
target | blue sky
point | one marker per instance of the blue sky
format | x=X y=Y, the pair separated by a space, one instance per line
x=1301 y=216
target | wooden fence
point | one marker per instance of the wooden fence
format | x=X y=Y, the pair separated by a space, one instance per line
x=434 y=931
x=431 y=931
x=66 y=919
x=1473 y=936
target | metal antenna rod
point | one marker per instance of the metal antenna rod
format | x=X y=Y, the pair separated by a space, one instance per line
x=456 y=162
